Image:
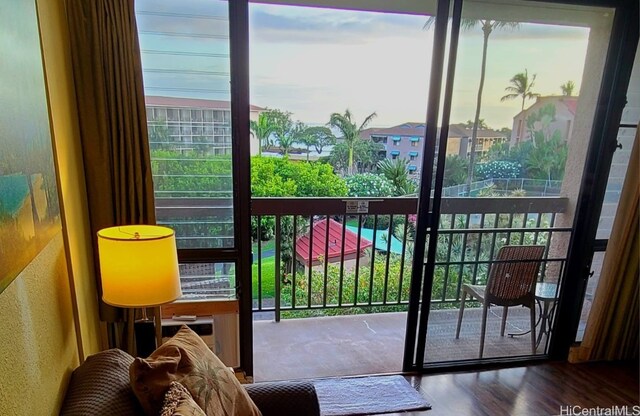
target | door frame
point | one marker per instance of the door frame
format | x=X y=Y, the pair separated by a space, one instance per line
x=621 y=51
x=241 y=165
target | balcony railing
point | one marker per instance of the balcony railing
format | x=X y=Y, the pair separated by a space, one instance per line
x=369 y=254
x=369 y=259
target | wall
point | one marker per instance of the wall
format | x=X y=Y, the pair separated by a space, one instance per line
x=75 y=217
x=38 y=349
x=41 y=340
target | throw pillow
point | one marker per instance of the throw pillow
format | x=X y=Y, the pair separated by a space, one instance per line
x=100 y=387
x=187 y=359
x=178 y=402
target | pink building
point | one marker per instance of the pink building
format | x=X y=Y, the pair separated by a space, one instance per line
x=565 y=113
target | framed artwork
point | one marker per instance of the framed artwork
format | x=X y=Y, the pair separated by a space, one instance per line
x=29 y=206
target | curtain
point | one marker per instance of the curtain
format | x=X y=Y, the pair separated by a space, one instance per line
x=107 y=72
x=613 y=324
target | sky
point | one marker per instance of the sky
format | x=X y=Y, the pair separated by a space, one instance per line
x=313 y=61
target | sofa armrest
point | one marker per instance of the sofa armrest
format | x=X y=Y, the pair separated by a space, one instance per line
x=285 y=398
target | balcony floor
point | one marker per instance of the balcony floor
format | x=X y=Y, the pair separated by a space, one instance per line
x=374 y=343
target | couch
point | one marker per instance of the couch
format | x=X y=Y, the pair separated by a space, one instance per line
x=101 y=386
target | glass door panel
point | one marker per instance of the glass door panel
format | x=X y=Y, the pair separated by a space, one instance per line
x=526 y=83
x=344 y=84
x=186 y=67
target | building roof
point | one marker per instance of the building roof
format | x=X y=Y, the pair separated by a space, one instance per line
x=335 y=242
x=460 y=130
x=406 y=129
x=418 y=130
x=158 y=101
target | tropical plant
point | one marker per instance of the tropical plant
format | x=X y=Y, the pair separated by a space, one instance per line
x=366 y=155
x=481 y=124
x=498 y=169
x=397 y=172
x=369 y=185
x=288 y=137
x=281 y=177
x=521 y=86
x=567 y=88
x=497 y=151
x=547 y=160
x=487 y=27
x=262 y=128
x=283 y=129
x=547 y=155
x=455 y=170
x=350 y=131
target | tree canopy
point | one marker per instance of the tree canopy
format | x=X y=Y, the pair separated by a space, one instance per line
x=521 y=86
x=272 y=176
x=366 y=155
x=350 y=131
x=567 y=88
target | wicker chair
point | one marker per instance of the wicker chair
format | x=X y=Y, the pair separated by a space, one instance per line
x=511 y=282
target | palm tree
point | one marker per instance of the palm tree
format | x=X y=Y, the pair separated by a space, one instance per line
x=397 y=172
x=262 y=129
x=521 y=87
x=289 y=134
x=567 y=88
x=487 y=27
x=350 y=131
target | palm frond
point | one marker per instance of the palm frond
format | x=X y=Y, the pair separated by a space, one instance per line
x=509 y=97
x=468 y=24
x=513 y=90
x=367 y=121
x=499 y=24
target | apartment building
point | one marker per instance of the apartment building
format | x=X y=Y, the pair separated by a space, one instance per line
x=190 y=124
x=565 y=112
x=406 y=141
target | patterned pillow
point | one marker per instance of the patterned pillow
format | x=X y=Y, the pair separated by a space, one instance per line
x=100 y=386
x=187 y=359
x=178 y=402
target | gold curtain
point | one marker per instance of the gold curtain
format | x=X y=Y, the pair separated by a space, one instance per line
x=107 y=72
x=612 y=327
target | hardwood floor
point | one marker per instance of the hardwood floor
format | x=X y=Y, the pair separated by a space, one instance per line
x=534 y=390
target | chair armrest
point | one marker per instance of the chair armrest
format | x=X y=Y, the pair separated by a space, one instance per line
x=285 y=398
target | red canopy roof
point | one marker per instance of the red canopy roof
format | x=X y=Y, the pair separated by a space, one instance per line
x=335 y=242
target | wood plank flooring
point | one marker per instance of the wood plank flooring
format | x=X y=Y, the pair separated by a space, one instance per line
x=534 y=390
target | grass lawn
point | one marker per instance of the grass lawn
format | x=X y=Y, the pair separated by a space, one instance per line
x=268 y=281
x=266 y=245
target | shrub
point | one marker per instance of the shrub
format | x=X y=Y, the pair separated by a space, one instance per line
x=369 y=184
x=498 y=169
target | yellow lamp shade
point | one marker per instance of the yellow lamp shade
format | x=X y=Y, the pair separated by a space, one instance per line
x=139 y=265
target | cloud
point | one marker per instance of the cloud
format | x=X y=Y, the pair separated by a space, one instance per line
x=309 y=25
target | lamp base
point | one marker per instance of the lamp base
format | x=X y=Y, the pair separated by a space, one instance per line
x=145 y=337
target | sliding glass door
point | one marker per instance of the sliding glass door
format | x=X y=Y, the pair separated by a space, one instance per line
x=517 y=116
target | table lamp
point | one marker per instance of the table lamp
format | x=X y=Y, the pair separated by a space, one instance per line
x=139 y=269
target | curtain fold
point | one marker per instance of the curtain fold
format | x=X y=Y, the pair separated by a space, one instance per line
x=107 y=72
x=613 y=324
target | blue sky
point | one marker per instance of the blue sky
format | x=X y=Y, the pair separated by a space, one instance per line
x=313 y=61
